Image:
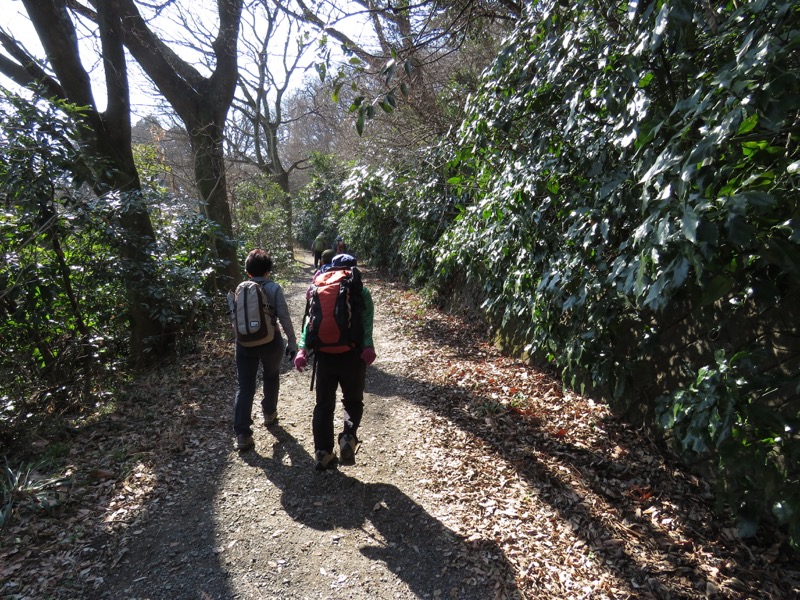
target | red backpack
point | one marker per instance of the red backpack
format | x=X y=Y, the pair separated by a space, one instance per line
x=335 y=310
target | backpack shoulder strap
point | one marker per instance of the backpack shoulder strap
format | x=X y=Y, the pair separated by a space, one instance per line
x=271 y=290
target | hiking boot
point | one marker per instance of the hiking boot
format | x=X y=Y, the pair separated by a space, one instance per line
x=347 y=449
x=325 y=460
x=270 y=418
x=245 y=442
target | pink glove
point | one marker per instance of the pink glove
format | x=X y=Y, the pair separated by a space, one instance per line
x=300 y=360
x=368 y=355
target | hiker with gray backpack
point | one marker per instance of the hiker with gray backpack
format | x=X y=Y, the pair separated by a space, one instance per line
x=256 y=307
x=337 y=329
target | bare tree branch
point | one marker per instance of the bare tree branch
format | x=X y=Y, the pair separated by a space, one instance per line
x=60 y=42
x=26 y=70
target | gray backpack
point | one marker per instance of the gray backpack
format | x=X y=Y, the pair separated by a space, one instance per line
x=253 y=316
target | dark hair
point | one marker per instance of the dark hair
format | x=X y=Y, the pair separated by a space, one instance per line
x=258 y=263
x=327 y=256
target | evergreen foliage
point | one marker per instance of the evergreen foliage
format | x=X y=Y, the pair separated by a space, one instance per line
x=626 y=181
x=395 y=217
x=63 y=305
x=259 y=219
x=318 y=204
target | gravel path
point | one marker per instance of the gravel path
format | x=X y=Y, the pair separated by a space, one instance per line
x=265 y=524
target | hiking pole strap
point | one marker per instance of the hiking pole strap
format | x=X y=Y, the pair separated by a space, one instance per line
x=313 y=372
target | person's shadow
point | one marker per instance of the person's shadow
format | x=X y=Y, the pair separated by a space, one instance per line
x=402 y=534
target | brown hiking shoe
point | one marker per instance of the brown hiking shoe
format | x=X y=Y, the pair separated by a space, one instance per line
x=325 y=460
x=245 y=442
x=347 y=449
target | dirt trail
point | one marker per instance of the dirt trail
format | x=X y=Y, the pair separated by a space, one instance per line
x=265 y=524
x=478 y=477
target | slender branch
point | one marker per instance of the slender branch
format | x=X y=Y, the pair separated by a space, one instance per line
x=27 y=69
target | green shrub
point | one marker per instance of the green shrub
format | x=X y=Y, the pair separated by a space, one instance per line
x=628 y=181
x=731 y=416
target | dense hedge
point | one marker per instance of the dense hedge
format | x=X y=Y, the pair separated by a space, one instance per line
x=626 y=188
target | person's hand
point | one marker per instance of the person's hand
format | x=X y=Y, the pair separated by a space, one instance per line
x=300 y=360
x=368 y=355
x=291 y=352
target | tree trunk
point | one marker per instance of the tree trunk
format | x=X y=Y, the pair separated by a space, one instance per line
x=202 y=104
x=209 y=171
x=107 y=137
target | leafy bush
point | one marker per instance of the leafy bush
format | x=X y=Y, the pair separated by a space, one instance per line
x=260 y=218
x=630 y=195
x=600 y=195
x=731 y=416
x=623 y=192
x=396 y=217
x=318 y=204
x=64 y=306
x=184 y=263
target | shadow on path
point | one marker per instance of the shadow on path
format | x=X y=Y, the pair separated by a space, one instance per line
x=171 y=552
x=431 y=559
x=618 y=528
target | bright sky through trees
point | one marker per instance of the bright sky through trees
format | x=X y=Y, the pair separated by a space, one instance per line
x=187 y=26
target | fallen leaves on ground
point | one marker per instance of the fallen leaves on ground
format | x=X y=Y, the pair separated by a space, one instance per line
x=532 y=475
x=582 y=504
x=116 y=465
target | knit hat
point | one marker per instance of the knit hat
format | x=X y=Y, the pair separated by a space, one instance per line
x=343 y=260
x=327 y=256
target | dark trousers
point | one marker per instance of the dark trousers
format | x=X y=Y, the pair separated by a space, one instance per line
x=248 y=360
x=333 y=370
x=317 y=258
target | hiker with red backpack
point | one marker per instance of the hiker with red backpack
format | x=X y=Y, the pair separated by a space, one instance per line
x=338 y=329
x=257 y=306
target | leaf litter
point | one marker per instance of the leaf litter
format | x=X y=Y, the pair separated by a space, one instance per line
x=479 y=476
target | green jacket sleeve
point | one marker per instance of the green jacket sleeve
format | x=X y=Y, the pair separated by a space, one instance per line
x=369 y=314
x=301 y=342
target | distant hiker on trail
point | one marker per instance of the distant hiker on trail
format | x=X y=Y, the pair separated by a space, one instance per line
x=325 y=263
x=256 y=307
x=342 y=352
x=339 y=246
x=317 y=247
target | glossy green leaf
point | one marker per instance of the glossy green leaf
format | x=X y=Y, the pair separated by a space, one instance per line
x=360 y=121
x=719 y=287
x=689 y=221
x=748 y=124
x=336 y=94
